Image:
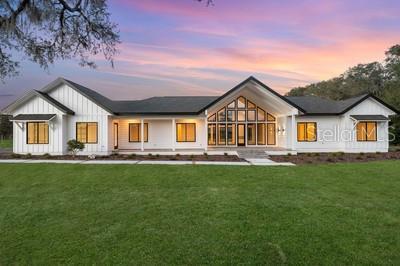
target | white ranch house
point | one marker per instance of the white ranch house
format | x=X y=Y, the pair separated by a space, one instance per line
x=250 y=115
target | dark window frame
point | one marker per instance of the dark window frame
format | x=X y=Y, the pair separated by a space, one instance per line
x=209 y=126
x=265 y=114
x=255 y=134
x=232 y=125
x=37 y=133
x=306 y=132
x=366 y=131
x=222 y=109
x=255 y=115
x=146 y=127
x=273 y=124
x=222 y=125
x=232 y=111
x=87 y=126
x=195 y=135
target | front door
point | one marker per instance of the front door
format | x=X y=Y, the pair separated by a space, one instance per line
x=115 y=136
x=241 y=134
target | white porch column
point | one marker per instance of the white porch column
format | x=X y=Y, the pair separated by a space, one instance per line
x=294 y=129
x=173 y=134
x=141 y=135
x=206 y=133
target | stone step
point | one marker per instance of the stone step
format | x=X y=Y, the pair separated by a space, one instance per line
x=252 y=154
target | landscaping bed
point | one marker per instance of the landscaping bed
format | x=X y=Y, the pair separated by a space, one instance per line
x=312 y=158
x=134 y=157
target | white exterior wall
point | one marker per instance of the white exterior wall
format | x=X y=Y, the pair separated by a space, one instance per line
x=85 y=111
x=282 y=135
x=37 y=105
x=161 y=134
x=368 y=107
x=328 y=129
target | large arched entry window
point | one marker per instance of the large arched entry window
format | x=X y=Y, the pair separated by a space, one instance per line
x=241 y=123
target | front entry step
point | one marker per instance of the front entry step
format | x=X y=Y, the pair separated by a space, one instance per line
x=252 y=154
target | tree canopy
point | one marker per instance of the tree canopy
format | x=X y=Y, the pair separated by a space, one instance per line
x=382 y=79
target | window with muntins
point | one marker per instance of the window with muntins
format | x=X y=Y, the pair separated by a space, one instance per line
x=37 y=133
x=223 y=125
x=306 y=131
x=135 y=131
x=366 y=131
x=86 y=132
x=186 y=132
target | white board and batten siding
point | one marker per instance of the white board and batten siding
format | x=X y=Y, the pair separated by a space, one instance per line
x=369 y=107
x=56 y=145
x=85 y=111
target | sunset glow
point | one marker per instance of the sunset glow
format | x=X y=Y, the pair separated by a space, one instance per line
x=182 y=47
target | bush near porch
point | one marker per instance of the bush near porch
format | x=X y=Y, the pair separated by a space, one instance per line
x=106 y=214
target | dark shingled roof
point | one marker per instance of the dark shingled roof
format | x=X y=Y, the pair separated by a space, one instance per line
x=370 y=117
x=33 y=117
x=319 y=106
x=192 y=105
x=56 y=103
x=164 y=105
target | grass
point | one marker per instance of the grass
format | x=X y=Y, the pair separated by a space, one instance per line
x=123 y=214
x=5 y=143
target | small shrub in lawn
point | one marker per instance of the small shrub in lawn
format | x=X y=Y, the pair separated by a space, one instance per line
x=46 y=156
x=331 y=160
x=378 y=152
x=225 y=154
x=289 y=154
x=114 y=153
x=28 y=156
x=308 y=154
x=173 y=158
x=157 y=155
x=177 y=155
x=132 y=155
x=192 y=156
x=316 y=154
x=361 y=154
x=334 y=154
x=150 y=154
x=359 y=157
x=205 y=154
x=341 y=153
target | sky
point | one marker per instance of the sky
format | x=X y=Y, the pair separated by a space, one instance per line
x=183 y=47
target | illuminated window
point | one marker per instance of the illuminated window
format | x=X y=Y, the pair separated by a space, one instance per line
x=212 y=118
x=270 y=117
x=231 y=115
x=37 y=133
x=271 y=134
x=221 y=134
x=366 y=131
x=222 y=115
x=231 y=134
x=212 y=134
x=260 y=114
x=135 y=131
x=241 y=116
x=251 y=134
x=86 y=132
x=250 y=105
x=261 y=134
x=232 y=105
x=241 y=102
x=307 y=131
x=185 y=132
x=251 y=115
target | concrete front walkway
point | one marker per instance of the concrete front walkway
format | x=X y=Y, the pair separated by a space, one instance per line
x=262 y=162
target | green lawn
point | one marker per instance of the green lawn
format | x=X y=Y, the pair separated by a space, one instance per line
x=138 y=214
x=5 y=143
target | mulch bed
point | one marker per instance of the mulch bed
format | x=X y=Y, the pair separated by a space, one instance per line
x=155 y=157
x=338 y=157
